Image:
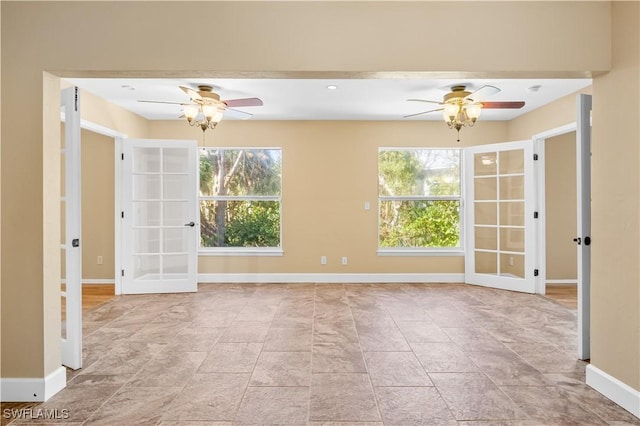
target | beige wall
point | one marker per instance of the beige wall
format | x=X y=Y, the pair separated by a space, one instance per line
x=311 y=37
x=329 y=171
x=555 y=114
x=615 y=267
x=97 y=205
x=560 y=206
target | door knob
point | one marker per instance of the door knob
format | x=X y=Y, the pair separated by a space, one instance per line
x=191 y=224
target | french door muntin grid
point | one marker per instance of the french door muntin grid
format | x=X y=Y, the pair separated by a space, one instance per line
x=499 y=201
x=163 y=252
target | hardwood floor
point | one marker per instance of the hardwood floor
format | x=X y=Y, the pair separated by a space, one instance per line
x=566 y=295
x=96 y=294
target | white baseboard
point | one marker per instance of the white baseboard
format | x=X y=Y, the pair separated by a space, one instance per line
x=33 y=390
x=91 y=281
x=562 y=282
x=330 y=278
x=620 y=393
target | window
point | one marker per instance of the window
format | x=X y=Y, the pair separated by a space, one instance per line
x=240 y=199
x=419 y=199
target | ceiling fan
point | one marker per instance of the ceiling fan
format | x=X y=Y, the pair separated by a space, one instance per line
x=205 y=109
x=462 y=108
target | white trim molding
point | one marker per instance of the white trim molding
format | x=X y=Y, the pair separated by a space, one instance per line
x=563 y=282
x=331 y=278
x=92 y=281
x=617 y=391
x=33 y=389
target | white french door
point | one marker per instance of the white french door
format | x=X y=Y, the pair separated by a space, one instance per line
x=499 y=211
x=70 y=230
x=160 y=216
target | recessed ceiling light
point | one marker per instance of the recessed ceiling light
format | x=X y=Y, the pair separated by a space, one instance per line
x=332 y=87
x=127 y=87
x=534 y=88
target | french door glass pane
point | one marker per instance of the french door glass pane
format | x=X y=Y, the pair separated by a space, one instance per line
x=501 y=239
x=512 y=187
x=486 y=262
x=146 y=160
x=174 y=186
x=146 y=187
x=160 y=206
x=486 y=213
x=512 y=265
x=486 y=238
x=512 y=213
x=512 y=162
x=175 y=160
x=175 y=266
x=512 y=239
x=485 y=164
x=175 y=240
x=146 y=213
x=146 y=240
x=146 y=267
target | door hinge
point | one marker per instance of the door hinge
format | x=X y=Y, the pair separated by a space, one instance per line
x=535 y=215
x=75 y=104
x=122 y=156
x=122 y=215
x=536 y=272
x=122 y=272
x=535 y=157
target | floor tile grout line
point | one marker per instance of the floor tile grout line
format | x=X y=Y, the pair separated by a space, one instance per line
x=364 y=359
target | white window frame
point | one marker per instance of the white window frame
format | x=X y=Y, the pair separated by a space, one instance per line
x=241 y=251
x=424 y=251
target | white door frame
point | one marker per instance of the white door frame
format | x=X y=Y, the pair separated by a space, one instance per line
x=539 y=148
x=583 y=191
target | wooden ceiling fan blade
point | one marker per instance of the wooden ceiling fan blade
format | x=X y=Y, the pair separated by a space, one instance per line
x=423 y=112
x=424 y=100
x=162 y=102
x=503 y=105
x=245 y=102
x=483 y=92
x=192 y=93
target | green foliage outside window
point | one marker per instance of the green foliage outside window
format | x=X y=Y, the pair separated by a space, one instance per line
x=419 y=193
x=240 y=197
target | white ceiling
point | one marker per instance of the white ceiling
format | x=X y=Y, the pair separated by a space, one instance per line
x=309 y=99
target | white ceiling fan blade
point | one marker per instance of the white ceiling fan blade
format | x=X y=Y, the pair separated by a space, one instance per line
x=192 y=93
x=424 y=100
x=236 y=113
x=421 y=113
x=483 y=92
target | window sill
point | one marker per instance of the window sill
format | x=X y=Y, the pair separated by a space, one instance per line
x=420 y=252
x=241 y=252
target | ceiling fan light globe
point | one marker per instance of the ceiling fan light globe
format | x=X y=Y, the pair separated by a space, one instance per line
x=451 y=111
x=209 y=111
x=217 y=116
x=190 y=112
x=473 y=111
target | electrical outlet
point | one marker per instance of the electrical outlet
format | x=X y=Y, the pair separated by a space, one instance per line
x=367 y=205
x=323 y=260
x=99 y=260
x=510 y=260
x=344 y=260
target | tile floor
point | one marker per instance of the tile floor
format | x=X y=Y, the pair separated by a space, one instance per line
x=331 y=354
